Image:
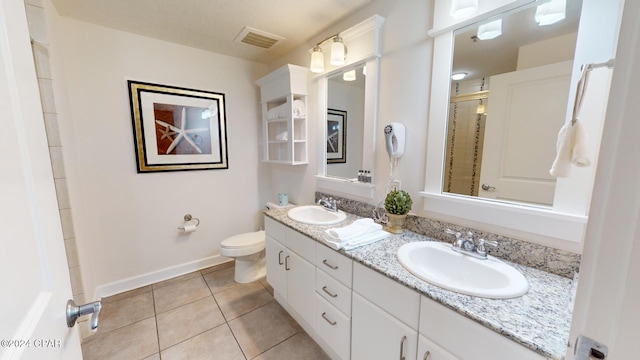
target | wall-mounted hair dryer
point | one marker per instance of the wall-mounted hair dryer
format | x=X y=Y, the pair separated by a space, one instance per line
x=394 y=134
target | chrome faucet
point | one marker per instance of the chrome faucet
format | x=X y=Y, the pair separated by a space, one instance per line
x=467 y=246
x=329 y=203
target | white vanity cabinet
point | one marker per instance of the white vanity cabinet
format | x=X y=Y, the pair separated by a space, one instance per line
x=283 y=95
x=464 y=338
x=428 y=350
x=290 y=269
x=384 y=317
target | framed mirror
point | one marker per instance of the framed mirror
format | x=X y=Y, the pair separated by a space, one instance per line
x=559 y=222
x=504 y=114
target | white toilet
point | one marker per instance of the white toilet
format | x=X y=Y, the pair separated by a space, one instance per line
x=248 y=251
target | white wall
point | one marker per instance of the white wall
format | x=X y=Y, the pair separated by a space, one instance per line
x=126 y=223
x=405 y=73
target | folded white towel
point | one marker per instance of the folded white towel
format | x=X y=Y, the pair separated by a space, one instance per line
x=299 y=109
x=365 y=239
x=571 y=149
x=277 y=112
x=282 y=136
x=357 y=228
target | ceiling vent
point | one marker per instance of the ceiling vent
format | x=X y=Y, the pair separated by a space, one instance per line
x=259 y=38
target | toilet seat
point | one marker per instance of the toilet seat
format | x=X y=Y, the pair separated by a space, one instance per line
x=243 y=244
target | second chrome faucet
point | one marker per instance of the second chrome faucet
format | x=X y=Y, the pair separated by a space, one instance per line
x=467 y=246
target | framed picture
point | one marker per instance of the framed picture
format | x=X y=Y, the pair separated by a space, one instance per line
x=177 y=129
x=336 y=136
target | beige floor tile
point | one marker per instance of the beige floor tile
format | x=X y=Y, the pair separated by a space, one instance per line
x=135 y=341
x=220 y=280
x=299 y=346
x=263 y=328
x=266 y=285
x=116 y=314
x=186 y=321
x=241 y=299
x=153 y=357
x=217 y=343
x=176 y=279
x=224 y=265
x=181 y=293
x=126 y=294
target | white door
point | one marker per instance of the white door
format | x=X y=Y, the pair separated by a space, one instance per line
x=34 y=277
x=526 y=110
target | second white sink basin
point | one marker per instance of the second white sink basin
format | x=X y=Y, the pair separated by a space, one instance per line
x=436 y=263
x=316 y=215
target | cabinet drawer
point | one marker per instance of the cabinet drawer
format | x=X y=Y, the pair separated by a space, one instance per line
x=275 y=229
x=446 y=327
x=334 y=264
x=301 y=244
x=334 y=292
x=333 y=327
x=397 y=299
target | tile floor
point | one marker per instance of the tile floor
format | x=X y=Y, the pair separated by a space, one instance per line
x=201 y=315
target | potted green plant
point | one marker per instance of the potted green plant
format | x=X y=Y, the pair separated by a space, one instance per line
x=397 y=204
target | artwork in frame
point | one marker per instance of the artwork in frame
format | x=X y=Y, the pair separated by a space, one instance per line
x=336 y=136
x=177 y=129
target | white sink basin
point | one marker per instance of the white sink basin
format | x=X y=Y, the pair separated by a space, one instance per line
x=316 y=215
x=437 y=264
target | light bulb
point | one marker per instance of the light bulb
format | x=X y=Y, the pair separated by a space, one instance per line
x=463 y=8
x=337 y=52
x=490 y=30
x=317 y=60
x=550 y=12
x=349 y=75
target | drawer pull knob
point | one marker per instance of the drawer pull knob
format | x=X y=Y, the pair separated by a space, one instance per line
x=324 y=288
x=334 y=267
x=324 y=316
x=402 y=341
x=286 y=263
x=426 y=355
x=280 y=257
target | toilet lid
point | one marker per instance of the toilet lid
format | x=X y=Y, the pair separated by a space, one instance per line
x=244 y=240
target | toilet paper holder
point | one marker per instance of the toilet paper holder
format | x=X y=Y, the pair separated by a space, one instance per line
x=188 y=218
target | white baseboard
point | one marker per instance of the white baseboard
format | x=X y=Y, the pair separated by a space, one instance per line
x=135 y=282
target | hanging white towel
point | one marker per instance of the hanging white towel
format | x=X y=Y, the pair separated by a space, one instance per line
x=572 y=146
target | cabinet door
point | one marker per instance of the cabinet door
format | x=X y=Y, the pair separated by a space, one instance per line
x=377 y=335
x=276 y=276
x=428 y=350
x=300 y=285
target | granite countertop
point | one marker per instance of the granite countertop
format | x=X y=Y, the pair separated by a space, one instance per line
x=540 y=320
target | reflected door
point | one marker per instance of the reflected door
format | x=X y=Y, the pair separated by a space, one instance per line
x=527 y=109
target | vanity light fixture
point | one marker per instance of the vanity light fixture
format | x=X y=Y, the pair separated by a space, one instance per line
x=458 y=76
x=349 y=75
x=551 y=12
x=490 y=30
x=480 y=109
x=337 y=58
x=463 y=8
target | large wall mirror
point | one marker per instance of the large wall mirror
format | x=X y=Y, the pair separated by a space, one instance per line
x=507 y=112
x=504 y=114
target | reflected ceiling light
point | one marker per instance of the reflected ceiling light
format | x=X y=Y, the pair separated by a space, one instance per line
x=349 y=75
x=490 y=30
x=463 y=8
x=551 y=12
x=337 y=57
x=364 y=70
x=480 y=109
x=458 y=76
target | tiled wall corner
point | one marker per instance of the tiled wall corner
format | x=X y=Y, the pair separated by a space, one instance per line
x=36 y=19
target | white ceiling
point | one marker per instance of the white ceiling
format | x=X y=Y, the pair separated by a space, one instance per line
x=214 y=24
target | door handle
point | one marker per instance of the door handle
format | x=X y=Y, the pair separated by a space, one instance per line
x=286 y=263
x=402 y=341
x=487 y=187
x=74 y=312
x=280 y=257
